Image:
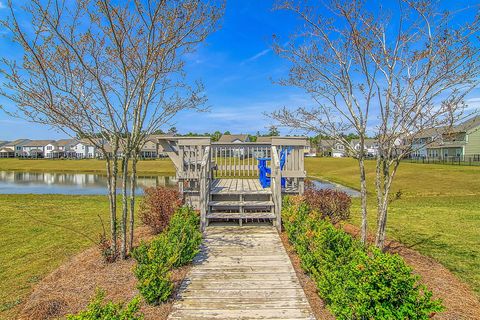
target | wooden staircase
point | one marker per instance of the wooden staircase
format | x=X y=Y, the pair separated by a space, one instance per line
x=240 y=199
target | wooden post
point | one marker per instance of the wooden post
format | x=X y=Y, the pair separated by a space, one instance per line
x=276 y=186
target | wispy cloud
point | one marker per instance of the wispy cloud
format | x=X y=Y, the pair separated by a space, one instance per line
x=2 y=5
x=258 y=55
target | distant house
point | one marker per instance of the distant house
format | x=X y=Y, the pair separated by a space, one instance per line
x=309 y=151
x=12 y=149
x=423 y=138
x=60 y=149
x=370 y=146
x=331 y=148
x=84 y=149
x=461 y=141
x=149 y=149
x=234 y=138
x=35 y=148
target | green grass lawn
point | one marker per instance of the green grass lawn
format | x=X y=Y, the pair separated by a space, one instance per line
x=158 y=166
x=31 y=246
x=438 y=213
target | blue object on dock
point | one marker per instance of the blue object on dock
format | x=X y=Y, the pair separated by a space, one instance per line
x=266 y=172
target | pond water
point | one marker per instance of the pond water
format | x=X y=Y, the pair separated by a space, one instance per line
x=322 y=184
x=17 y=182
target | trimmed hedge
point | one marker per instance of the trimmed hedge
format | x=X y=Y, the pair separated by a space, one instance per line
x=97 y=309
x=176 y=246
x=356 y=282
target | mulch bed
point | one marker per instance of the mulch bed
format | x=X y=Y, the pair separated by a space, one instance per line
x=70 y=288
x=459 y=300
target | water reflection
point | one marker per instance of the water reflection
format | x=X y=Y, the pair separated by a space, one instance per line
x=15 y=182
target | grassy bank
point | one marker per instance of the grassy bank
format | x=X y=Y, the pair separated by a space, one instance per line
x=438 y=213
x=38 y=233
x=158 y=166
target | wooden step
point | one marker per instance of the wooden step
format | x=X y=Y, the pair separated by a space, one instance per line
x=229 y=191
x=240 y=215
x=252 y=203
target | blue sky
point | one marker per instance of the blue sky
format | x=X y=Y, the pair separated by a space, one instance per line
x=236 y=65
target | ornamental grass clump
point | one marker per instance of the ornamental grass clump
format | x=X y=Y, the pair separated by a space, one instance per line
x=355 y=281
x=176 y=246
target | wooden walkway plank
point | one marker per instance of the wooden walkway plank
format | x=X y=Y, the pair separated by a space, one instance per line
x=241 y=273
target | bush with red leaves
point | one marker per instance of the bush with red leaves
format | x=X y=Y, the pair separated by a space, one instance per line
x=158 y=206
x=330 y=204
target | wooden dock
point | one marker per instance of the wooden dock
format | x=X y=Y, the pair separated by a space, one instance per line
x=221 y=180
x=242 y=273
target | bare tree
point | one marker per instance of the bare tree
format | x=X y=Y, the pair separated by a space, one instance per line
x=328 y=62
x=427 y=62
x=110 y=72
x=407 y=67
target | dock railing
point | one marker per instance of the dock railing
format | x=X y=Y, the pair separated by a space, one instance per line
x=238 y=159
x=198 y=161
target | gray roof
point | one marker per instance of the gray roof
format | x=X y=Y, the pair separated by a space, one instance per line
x=65 y=142
x=18 y=142
x=37 y=143
x=468 y=125
x=5 y=149
x=264 y=139
x=227 y=138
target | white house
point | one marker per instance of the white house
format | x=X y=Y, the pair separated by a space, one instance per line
x=309 y=151
x=34 y=148
x=370 y=146
x=84 y=149
x=60 y=149
x=12 y=149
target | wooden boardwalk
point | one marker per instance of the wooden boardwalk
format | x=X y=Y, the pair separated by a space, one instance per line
x=242 y=273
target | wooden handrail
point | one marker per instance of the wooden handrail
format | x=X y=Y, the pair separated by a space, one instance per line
x=204 y=184
x=276 y=186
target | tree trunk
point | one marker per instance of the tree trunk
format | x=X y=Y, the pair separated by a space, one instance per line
x=124 y=205
x=133 y=185
x=387 y=179
x=363 y=193
x=112 y=196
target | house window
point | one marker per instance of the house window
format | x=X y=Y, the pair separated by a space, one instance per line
x=49 y=147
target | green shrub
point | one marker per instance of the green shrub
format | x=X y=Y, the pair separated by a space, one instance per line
x=176 y=246
x=356 y=282
x=97 y=309
x=184 y=233
x=154 y=263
